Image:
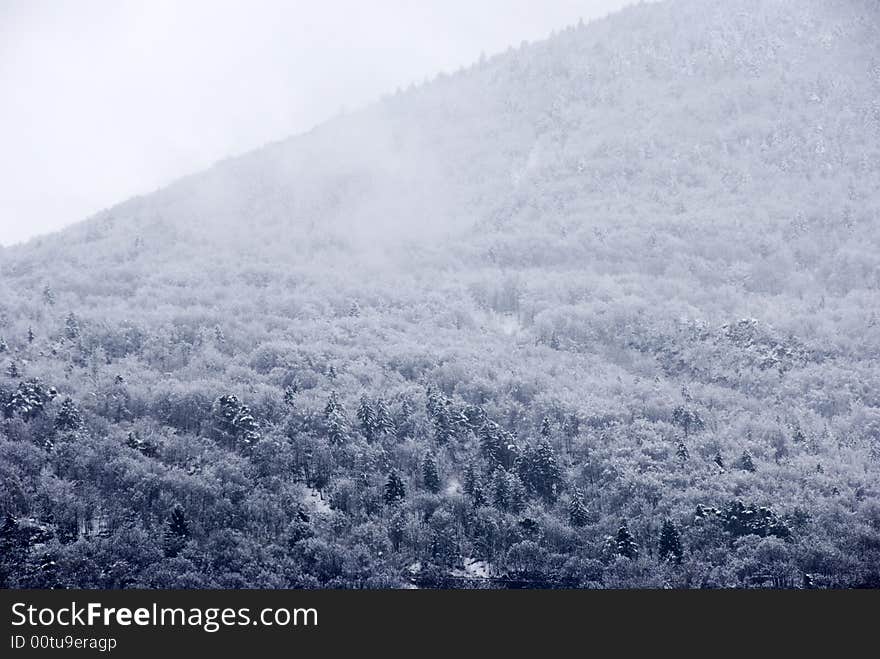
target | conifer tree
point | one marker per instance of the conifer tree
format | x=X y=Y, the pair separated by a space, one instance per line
x=334 y=415
x=12 y=370
x=30 y=335
x=670 y=543
x=384 y=421
x=500 y=490
x=443 y=427
x=625 y=543
x=472 y=483
x=746 y=463
x=68 y=417
x=516 y=493
x=430 y=476
x=491 y=442
x=71 y=326
x=290 y=395
x=433 y=400
x=539 y=470
x=396 y=529
x=367 y=417
x=395 y=490
x=48 y=295
x=546 y=429
x=577 y=509
x=176 y=532
x=682 y=452
x=4 y=347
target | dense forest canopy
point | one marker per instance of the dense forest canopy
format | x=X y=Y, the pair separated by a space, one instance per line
x=599 y=311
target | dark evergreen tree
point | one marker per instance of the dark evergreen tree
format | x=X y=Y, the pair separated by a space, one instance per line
x=71 y=326
x=396 y=529
x=682 y=452
x=471 y=478
x=546 y=428
x=290 y=392
x=334 y=415
x=234 y=422
x=367 y=418
x=670 y=543
x=500 y=489
x=625 y=543
x=395 y=490
x=176 y=532
x=68 y=417
x=516 y=493
x=30 y=335
x=688 y=420
x=48 y=295
x=430 y=476
x=12 y=370
x=384 y=421
x=4 y=347
x=433 y=400
x=444 y=430
x=577 y=509
x=29 y=400
x=539 y=470
x=491 y=443
x=746 y=463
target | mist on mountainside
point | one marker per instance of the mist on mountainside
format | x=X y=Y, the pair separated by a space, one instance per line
x=599 y=311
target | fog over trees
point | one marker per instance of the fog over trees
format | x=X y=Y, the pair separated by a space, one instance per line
x=599 y=311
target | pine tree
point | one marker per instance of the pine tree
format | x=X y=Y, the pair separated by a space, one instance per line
x=539 y=470
x=430 y=476
x=516 y=493
x=334 y=415
x=500 y=490
x=68 y=417
x=4 y=347
x=48 y=295
x=395 y=490
x=133 y=441
x=625 y=543
x=30 y=335
x=71 y=326
x=290 y=395
x=235 y=422
x=12 y=370
x=719 y=460
x=433 y=401
x=471 y=478
x=491 y=442
x=384 y=421
x=577 y=509
x=396 y=529
x=670 y=543
x=176 y=532
x=682 y=452
x=546 y=429
x=367 y=418
x=746 y=463
x=444 y=430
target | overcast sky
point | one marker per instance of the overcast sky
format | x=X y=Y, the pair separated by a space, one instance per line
x=104 y=99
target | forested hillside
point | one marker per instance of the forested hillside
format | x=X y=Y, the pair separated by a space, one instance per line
x=599 y=311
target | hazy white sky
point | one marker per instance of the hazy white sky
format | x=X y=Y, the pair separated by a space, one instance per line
x=104 y=99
